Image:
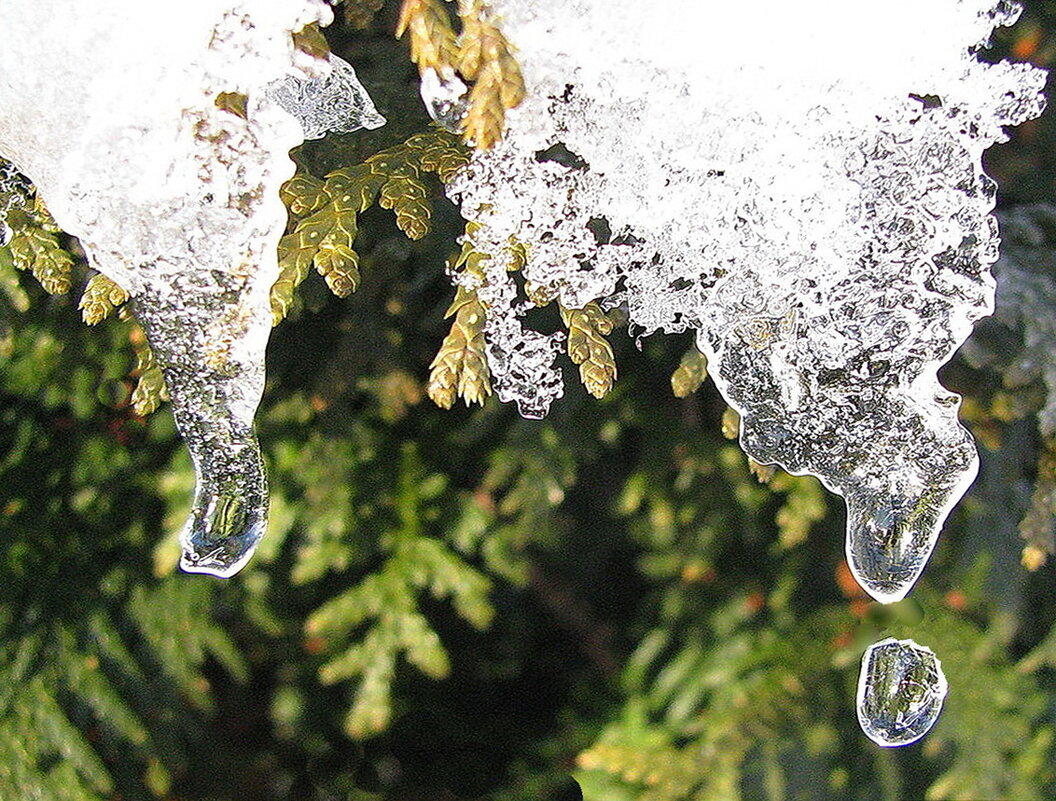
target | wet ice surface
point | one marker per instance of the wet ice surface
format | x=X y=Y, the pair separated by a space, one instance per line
x=215 y=390
x=335 y=103
x=901 y=688
x=174 y=199
x=822 y=224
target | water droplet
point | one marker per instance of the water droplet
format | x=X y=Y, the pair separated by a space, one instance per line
x=901 y=688
x=228 y=518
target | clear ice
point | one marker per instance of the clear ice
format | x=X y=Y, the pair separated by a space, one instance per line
x=814 y=207
x=336 y=102
x=176 y=200
x=901 y=688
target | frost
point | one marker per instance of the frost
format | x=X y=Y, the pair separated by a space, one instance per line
x=174 y=199
x=813 y=206
x=901 y=688
x=335 y=103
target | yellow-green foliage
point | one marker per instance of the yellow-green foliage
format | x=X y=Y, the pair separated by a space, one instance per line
x=310 y=40
x=587 y=347
x=150 y=390
x=690 y=374
x=324 y=213
x=100 y=297
x=486 y=58
x=460 y=368
x=35 y=247
x=480 y=53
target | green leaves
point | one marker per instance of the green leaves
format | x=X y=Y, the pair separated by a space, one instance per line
x=324 y=213
x=381 y=616
x=35 y=248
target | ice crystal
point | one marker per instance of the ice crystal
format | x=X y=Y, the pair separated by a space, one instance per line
x=335 y=103
x=901 y=688
x=173 y=198
x=813 y=206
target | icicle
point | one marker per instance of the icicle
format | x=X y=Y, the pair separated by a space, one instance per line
x=901 y=688
x=823 y=224
x=198 y=334
x=174 y=195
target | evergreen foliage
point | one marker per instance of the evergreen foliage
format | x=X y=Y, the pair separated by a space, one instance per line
x=462 y=604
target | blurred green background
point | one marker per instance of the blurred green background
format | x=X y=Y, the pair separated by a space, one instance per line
x=467 y=605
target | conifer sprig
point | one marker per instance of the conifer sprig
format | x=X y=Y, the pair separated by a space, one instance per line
x=460 y=368
x=486 y=58
x=150 y=390
x=587 y=347
x=325 y=212
x=480 y=53
x=100 y=297
x=690 y=373
x=35 y=247
x=431 y=36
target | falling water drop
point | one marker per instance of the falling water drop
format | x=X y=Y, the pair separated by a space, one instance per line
x=900 y=691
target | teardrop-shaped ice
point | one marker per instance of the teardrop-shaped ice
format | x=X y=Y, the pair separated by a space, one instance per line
x=891 y=536
x=901 y=688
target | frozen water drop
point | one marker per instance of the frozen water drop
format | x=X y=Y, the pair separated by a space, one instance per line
x=888 y=543
x=337 y=102
x=901 y=688
x=227 y=521
x=446 y=99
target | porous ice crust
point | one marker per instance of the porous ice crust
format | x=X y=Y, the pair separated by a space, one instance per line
x=813 y=205
x=173 y=198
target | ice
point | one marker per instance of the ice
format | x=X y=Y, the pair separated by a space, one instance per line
x=445 y=98
x=335 y=103
x=813 y=206
x=173 y=198
x=14 y=192
x=901 y=688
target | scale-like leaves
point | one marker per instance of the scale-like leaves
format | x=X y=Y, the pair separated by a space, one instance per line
x=587 y=347
x=100 y=297
x=324 y=213
x=460 y=369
